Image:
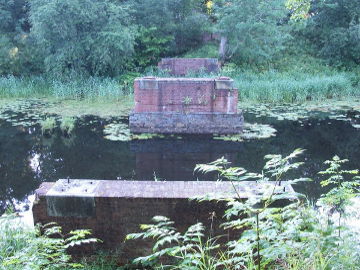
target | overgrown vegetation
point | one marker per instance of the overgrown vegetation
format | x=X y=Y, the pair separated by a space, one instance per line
x=67 y=125
x=48 y=125
x=277 y=51
x=75 y=87
x=295 y=87
x=40 y=248
x=295 y=236
x=270 y=86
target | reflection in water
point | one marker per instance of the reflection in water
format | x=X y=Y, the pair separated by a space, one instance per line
x=176 y=159
x=27 y=158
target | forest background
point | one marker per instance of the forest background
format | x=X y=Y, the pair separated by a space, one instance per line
x=312 y=46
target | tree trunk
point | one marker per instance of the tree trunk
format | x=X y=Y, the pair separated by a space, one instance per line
x=222 y=49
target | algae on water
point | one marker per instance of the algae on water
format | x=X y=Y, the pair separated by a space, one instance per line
x=295 y=112
x=121 y=132
x=117 y=132
x=251 y=131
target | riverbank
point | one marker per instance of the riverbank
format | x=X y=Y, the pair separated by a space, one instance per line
x=290 y=86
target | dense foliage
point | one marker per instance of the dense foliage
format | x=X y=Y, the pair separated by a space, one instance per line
x=292 y=237
x=40 y=248
x=111 y=37
x=94 y=37
x=254 y=29
x=334 y=29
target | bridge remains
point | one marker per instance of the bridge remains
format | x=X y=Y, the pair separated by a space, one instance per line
x=184 y=66
x=186 y=105
x=112 y=209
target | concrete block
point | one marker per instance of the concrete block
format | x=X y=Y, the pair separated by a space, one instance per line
x=67 y=206
x=72 y=198
x=121 y=206
x=224 y=83
x=182 y=66
x=186 y=122
x=147 y=83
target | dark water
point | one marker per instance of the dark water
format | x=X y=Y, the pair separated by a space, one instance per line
x=27 y=158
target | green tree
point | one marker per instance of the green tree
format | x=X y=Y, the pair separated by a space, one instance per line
x=181 y=22
x=253 y=29
x=17 y=53
x=299 y=8
x=92 y=37
x=333 y=27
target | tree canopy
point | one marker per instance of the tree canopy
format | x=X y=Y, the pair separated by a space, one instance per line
x=110 y=37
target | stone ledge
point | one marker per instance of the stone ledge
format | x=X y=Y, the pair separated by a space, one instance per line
x=156 y=189
x=182 y=66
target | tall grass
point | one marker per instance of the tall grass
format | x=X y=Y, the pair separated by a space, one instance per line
x=11 y=86
x=295 y=86
x=14 y=236
x=267 y=86
x=72 y=87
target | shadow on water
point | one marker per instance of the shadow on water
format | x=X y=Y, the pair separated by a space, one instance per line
x=27 y=158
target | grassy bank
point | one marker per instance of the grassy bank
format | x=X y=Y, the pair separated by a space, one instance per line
x=296 y=87
x=74 y=87
x=270 y=86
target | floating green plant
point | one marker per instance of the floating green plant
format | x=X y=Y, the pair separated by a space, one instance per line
x=295 y=112
x=67 y=125
x=48 y=125
x=121 y=132
x=250 y=131
x=117 y=132
x=29 y=112
x=146 y=136
x=22 y=112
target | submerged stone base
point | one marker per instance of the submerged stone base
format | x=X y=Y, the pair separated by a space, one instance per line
x=186 y=123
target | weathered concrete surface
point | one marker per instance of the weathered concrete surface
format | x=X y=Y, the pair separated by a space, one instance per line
x=182 y=66
x=190 y=123
x=120 y=206
x=185 y=95
x=185 y=105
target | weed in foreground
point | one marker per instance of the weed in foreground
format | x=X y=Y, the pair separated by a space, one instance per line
x=293 y=237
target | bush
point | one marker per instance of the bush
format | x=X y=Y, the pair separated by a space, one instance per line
x=73 y=39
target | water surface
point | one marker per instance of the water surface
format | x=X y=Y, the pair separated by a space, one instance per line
x=27 y=158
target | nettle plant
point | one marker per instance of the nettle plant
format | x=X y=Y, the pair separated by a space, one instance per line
x=295 y=236
x=344 y=187
x=269 y=233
